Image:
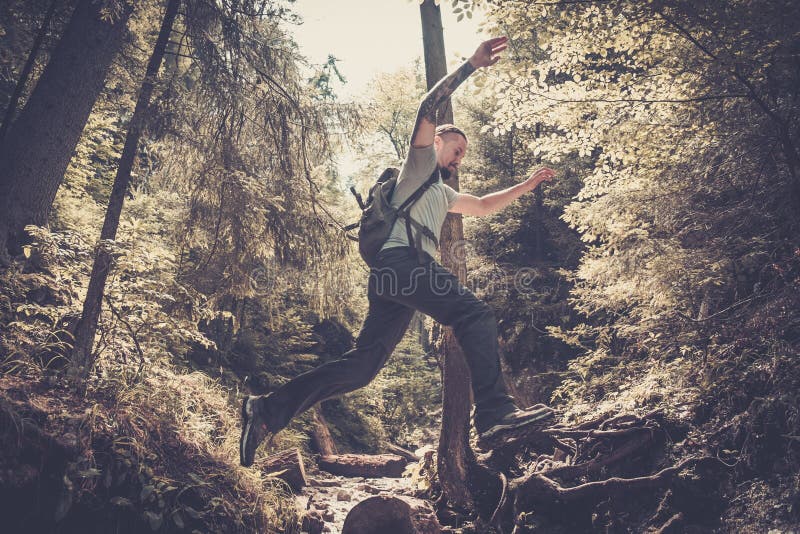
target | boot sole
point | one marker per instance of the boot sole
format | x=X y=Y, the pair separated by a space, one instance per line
x=497 y=430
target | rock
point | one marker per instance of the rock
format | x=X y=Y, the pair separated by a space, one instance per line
x=398 y=515
x=368 y=489
x=343 y=496
x=324 y=482
x=328 y=515
x=312 y=522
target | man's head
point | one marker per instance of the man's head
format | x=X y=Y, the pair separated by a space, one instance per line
x=450 y=144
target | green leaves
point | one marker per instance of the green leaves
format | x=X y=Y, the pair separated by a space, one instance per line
x=462 y=8
x=640 y=110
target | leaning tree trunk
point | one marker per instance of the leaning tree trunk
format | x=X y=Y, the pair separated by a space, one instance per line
x=40 y=142
x=82 y=356
x=455 y=459
x=22 y=81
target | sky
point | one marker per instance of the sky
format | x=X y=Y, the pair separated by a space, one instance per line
x=372 y=36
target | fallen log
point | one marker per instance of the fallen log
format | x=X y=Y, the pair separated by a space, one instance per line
x=400 y=451
x=287 y=466
x=391 y=514
x=363 y=465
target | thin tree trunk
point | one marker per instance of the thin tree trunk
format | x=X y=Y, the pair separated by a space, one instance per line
x=83 y=360
x=40 y=142
x=22 y=81
x=323 y=441
x=455 y=458
x=539 y=207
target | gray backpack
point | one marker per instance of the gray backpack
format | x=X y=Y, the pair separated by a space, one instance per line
x=378 y=216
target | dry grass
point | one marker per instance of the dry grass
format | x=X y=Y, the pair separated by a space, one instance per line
x=191 y=423
x=160 y=448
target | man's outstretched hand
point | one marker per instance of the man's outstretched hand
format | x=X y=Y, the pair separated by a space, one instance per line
x=545 y=174
x=488 y=53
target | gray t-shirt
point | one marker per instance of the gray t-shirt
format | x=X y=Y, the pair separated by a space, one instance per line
x=430 y=209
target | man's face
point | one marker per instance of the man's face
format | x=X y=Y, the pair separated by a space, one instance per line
x=450 y=149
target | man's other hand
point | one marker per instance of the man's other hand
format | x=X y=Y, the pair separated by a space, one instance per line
x=545 y=174
x=488 y=53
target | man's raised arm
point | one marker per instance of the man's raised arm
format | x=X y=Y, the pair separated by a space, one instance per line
x=484 y=56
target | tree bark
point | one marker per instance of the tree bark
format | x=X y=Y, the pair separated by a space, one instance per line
x=22 y=81
x=40 y=142
x=82 y=357
x=364 y=465
x=323 y=441
x=539 y=208
x=400 y=451
x=535 y=488
x=287 y=466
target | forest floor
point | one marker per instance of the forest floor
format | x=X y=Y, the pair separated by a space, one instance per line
x=158 y=451
x=63 y=464
x=334 y=496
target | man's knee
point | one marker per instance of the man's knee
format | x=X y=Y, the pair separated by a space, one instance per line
x=477 y=312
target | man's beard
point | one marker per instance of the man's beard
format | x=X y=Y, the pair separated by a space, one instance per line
x=445 y=171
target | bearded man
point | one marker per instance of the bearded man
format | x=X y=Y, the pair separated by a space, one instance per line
x=406 y=277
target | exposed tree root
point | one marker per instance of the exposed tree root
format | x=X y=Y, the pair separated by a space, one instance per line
x=568 y=472
x=569 y=453
x=577 y=434
x=673 y=525
x=539 y=488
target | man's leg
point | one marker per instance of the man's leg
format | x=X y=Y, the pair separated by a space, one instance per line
x=435 y=291
x=383 y=328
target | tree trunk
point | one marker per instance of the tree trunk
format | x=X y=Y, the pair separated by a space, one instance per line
x=82 y=357
x=287 y=466
x=22 y=81
x=400 y=451
x=539 y=207
x=455 y=458
x=40 y=142
x=323 y=441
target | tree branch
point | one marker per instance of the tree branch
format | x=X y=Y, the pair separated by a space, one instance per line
x=733 y=68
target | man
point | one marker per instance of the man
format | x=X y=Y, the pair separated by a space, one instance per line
x=399 y=284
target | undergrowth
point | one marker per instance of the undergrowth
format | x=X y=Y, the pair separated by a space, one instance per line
x=153 y=444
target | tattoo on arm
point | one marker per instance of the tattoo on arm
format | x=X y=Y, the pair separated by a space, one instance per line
x=440 y=92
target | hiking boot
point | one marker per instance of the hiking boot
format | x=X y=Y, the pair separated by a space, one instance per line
x=254 y=427
x=514 y=421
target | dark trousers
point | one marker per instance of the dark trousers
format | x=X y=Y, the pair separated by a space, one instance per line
x=398 y=285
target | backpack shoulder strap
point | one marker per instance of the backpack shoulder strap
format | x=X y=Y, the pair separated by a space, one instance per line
x=413 y=197
x=404 y=211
